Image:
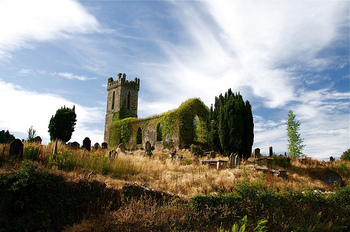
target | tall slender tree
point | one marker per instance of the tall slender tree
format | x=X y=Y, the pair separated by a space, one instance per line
x=295 y=142
x=31 y=134
x=231 y=125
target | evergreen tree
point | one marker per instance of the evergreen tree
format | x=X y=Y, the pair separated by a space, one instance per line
x=295 y=142
x=62 y=124
x=231 y=126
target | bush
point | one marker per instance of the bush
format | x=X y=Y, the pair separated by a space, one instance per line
x=196 y=150
x=346 y=155
x=281 y=161
x=31 y=153
x=34 y=200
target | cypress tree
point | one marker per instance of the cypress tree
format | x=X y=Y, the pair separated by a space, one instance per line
x=231 y=126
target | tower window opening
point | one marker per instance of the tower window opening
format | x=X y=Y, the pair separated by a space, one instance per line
x=113 y=98
x=159 y=132
x=128 y=101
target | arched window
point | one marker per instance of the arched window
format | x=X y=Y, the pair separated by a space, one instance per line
x=113 y=97
x=128 y=101
x=200 y=132
x=159 y=132
x=139 y=136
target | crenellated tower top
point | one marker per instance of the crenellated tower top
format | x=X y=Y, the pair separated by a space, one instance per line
x=121 y=81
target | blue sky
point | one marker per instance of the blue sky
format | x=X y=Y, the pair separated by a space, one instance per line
x=281 y=56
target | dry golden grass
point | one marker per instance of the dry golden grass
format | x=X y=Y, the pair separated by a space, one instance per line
x=184 y=179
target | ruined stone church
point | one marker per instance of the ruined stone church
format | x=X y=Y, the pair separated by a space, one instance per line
x=177 y=128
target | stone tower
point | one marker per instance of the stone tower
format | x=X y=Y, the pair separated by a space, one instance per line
x=122 y=100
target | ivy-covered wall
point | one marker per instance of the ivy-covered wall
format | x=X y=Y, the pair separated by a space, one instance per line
x=177 y=127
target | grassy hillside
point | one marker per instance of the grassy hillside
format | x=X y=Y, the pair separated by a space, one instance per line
x=77 y=190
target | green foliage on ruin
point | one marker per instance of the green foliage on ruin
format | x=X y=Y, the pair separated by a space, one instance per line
x=120 y=131
x=122 y=114
x=178 y=123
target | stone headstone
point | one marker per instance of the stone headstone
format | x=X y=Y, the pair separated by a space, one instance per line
x=104 y=145
x=112 y=154
x=148 y=148
x=37 y=139
x=87 y=144
x=74 y=145
x=96 y=146
x=331 y=159
x=270 y=151
x=16 y=149
x=332 y=177
x=232 y=163
x=122 y=148
x=256 y=153
x=238 y=161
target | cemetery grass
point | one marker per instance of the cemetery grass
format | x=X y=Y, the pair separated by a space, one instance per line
x=85 y=188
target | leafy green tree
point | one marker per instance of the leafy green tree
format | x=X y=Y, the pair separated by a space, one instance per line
x=295 y=142
x=345 y=155
x=62 y=125
x=31 y=134
x=231 y=127
x=6 y=137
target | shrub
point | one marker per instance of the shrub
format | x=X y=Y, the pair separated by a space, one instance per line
x=281 y=161
x=34 y=200
x=31 y=153
x=196 y=150
x=346 y=155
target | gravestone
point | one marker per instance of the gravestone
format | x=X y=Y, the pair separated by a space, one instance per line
x=112 y=154
x=74 y=145
x=16 y=149
x=172 y=154
x=87 y=144
x=148 y=148
x=96 y=146
x=37 y=139
x=122 y=148
x=238 y=161
x=256 y=153
x=270 y=151
x=331 y=159
x=232 y=163
x=104 y=145
x=332 y=178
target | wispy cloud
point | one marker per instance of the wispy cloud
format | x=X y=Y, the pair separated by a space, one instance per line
x=41 y=20
x=72 y=76
x=263 y=49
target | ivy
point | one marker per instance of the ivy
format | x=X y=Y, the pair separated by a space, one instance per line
x=176 y=124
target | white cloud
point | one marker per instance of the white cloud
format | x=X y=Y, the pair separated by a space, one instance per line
x=23 y=22
x=72 y=76
x=22 y=109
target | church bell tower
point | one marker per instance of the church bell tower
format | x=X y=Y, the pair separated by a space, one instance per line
x=122 y=100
